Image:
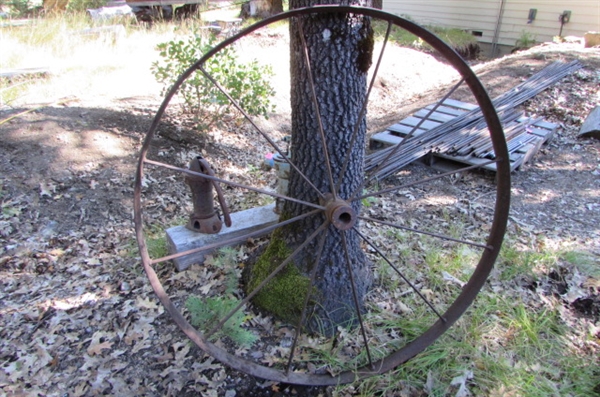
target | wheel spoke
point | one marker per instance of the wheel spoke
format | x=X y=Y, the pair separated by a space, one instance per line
x=313 y=91
x=260 y=131
x=312 y=277
x=396 y=148
x=430 y=179
x=355 y=297
x=234 y=240
x=234 y=184
x=363 y=110
x=406 y=280
x=274 y=273
x=441 y=236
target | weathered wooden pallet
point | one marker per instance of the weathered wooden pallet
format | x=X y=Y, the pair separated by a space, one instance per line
x=394 y=134
x=522 y=147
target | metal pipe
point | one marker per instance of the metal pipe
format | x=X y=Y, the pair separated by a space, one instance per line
x=437 y=139
x=497 y=30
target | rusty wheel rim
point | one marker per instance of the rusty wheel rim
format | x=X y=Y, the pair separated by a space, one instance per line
x=339 y=214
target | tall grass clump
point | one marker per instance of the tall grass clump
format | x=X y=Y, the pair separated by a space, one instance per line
x=80 y=56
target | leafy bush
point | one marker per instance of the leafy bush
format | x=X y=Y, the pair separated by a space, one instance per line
x=82 y=5
x=247 y=84
x=20 y=8
x=525 y=40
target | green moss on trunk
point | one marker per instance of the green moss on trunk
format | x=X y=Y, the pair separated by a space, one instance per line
x=284 y=295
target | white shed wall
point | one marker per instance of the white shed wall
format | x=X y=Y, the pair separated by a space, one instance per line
x=483 y=15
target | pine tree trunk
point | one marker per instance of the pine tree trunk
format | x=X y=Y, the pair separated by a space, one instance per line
x=340 y=49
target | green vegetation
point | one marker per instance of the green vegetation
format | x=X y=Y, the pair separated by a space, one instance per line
x=207 y=311
x=585 y=262
x=246 y=83
x=455 y=38
x=156 y=242
x=49 y=35
x=82 y=5
x=19 y=8
x=284 y=295
x=525 y=40
x=505 y=349
x=514 y=340
x=276 y=25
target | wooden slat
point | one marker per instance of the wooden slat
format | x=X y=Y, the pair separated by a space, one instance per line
x=386 y=138
x=446 y=110
x=459 y=104
x=469 y=160
x=403 y=130
x=546 y=125
x=531 y=150
x=435 y=116
x=414 y=121
x=542 y=133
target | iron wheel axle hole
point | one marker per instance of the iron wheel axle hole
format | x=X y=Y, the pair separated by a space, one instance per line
x=340 y=214
x=345 y=218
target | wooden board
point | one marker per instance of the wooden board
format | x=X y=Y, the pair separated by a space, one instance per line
x=403 y=130
x=393 y=135
x=435 y=116
x=459 y=104
x=446 y=110
x=180 y=239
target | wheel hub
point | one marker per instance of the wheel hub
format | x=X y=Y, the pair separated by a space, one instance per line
x=340 y=213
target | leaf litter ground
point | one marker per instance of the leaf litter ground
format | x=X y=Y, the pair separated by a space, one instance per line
x=78 y=317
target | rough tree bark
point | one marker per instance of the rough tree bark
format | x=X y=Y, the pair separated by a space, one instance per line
x=340 y=51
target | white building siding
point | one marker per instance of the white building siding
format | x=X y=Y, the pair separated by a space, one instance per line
x=585 y=17
x=482 y=16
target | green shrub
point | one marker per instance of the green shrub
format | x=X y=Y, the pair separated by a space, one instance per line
x=247 y=84
x=20 y=8
x=525 y=40
x=82 y=5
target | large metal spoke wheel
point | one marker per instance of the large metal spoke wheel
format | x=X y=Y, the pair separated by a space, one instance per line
x=413 y=303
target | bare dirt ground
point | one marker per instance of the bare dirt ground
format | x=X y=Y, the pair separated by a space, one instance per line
x=77 y=314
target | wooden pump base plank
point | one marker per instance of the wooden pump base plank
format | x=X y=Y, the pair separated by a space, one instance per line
x=181 y=239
